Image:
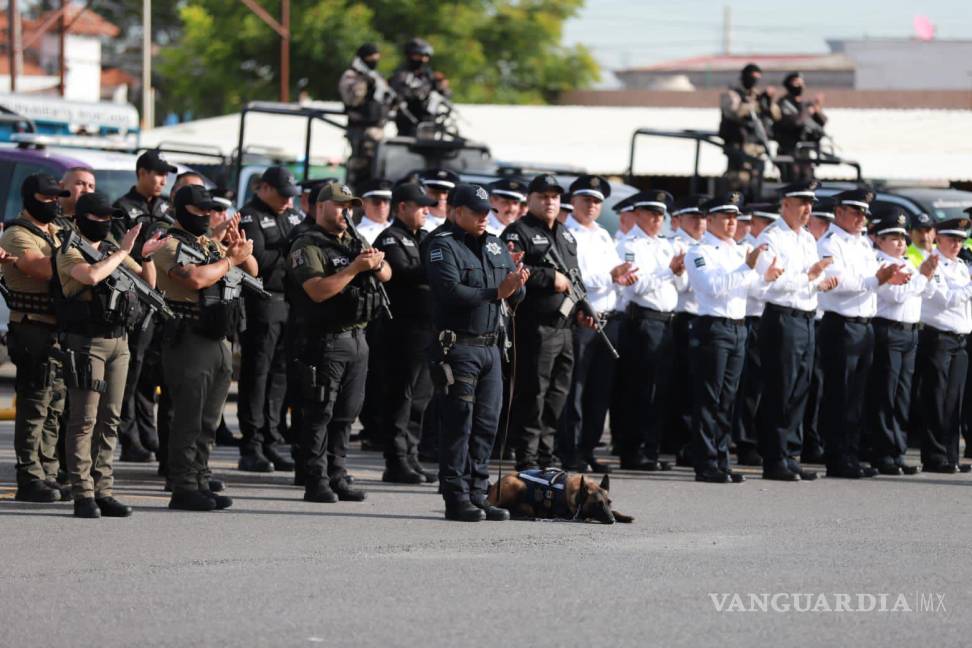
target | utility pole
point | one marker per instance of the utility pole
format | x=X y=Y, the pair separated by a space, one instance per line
x=61 y=59
x=726 y=30
x=148 y=93
x=283 y=30
x=16 y=50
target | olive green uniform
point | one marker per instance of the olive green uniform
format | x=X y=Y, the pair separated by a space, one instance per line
x=196 y=366
x=31 y=338
x=101 y=357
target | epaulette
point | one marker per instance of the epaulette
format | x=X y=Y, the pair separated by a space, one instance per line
x=441 y=234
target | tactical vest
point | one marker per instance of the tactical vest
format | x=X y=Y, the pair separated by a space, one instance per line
x=28 y=302
x=546 y=492
x=358 y=303
x=108 y=314
x=217 y=315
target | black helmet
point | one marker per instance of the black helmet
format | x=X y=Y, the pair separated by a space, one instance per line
x=418 y=46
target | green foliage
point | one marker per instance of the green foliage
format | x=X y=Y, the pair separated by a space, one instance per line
x=493 y=51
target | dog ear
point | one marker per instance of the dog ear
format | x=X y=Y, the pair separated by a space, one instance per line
x=621 y=517
x=582 y=493
x=606 y=483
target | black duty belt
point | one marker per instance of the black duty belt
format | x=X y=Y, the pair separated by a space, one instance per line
x=844 y=318
x=184 y=310
x=477 y=340
x=95 y=331
x=949 y=334
x=724 y=320
x=901 y=326
x=642 y=313
x=28 y=302
x=26 y=321
x=792 y=312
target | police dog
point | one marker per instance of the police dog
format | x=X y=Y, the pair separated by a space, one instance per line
x=569 y=497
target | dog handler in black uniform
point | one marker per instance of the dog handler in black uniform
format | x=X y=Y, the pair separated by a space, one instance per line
x=470 y=272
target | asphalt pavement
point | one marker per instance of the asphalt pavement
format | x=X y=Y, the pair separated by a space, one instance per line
x=277 y=571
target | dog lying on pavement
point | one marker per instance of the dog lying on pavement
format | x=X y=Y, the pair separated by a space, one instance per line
x=555 y=494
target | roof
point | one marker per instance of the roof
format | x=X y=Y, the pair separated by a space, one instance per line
x=113 y=77
x=920 y=146
x=88 y=23
x=735 y=62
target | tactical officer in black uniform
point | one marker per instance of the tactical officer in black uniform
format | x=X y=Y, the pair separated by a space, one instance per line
x=267 y=220
x=334 y=285
x=800 y=121
x=408 y=387
x=544 y=326
x=470 y=273
x=142 y=204
x=415 y=82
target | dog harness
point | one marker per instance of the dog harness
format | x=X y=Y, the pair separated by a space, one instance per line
x=547 y=492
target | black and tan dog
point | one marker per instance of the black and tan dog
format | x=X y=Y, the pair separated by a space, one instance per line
x=552 y=493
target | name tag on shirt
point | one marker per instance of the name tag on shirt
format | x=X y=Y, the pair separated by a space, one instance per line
x=267 y=223
x=540 y=239
x=408 y=243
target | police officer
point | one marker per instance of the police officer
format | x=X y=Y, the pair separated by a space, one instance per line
x=646 y=339
x=688 y=226
x=921 y=235
x=946 y=316
x=197 y=362
x=721 y=273
x=334 y=283
x=744 y=429
x=470 y=273
x=846 y=336
x=604 y=274
x=415 y=82
x=366 y=101
x=77 y=181
x=94 y=318
x=267 y=220
x=747 y=116
x=437 y=183
x=28 y=243
x=142 y=204
x=800 y=121
x=544 y=325
x=409 y=335
x=376 y=202
x=787 y=337
x=505 y=196
x=895 y=346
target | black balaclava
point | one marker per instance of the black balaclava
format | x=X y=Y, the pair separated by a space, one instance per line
x=195 y=225
x=91 y=229
x=791 y=87
x=748 y=76
x=42 y=211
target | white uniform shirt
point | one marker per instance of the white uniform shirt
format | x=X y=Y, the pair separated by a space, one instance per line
x=855 y=265
x=756 y=301
x=431 y=222
x=794 y=252
x=718 y=274
x=596 y=256
x=371 y=229
x=687 y=301
x=657 y=285
x=901 y=303
x=948 y=302
x=493 y=224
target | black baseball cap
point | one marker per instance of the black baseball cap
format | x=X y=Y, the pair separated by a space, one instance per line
x=891 y=219
x=98 y=204
x=378 y=188
x=281 y=179
x=197 y=196
x=544 y=183
x=471 y=197
x=412 y=192
x=154 y=161
x=44 y=184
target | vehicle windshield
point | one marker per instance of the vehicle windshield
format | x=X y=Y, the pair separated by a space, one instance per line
x=114 y=183
x=947 y=208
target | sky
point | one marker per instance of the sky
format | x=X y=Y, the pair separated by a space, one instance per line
x=631 y=33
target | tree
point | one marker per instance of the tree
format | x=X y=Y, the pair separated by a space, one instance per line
x=502 y=51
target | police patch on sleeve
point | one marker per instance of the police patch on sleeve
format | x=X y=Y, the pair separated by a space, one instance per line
x=388 y=240
x=699 y=262
x=246 y=218
x=493 y=248
x=435 y=255
x=629 y=257
x=512 y=236
x=297 y=258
